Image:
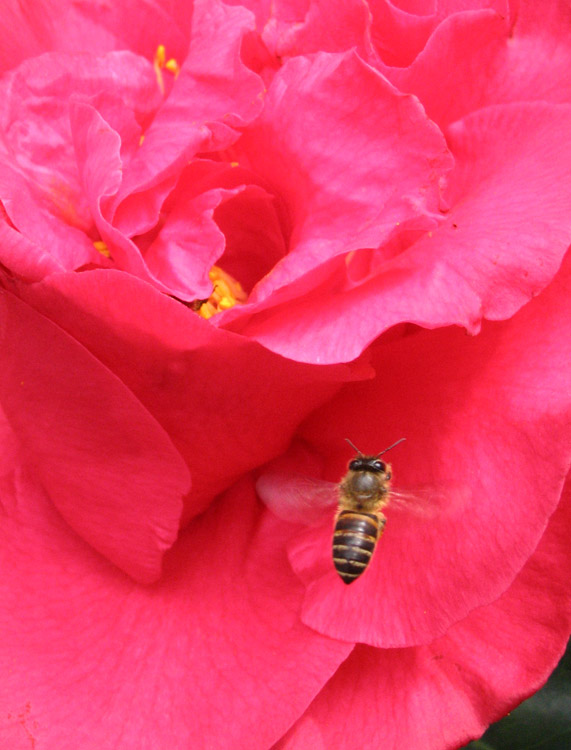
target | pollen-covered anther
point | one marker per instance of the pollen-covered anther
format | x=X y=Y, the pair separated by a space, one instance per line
x=172 y=66
x=226 y=292
x=161 y=63
x=102 y=248
x=160 y=56
x=206 y=310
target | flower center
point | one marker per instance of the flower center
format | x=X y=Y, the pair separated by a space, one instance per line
x=226 y=292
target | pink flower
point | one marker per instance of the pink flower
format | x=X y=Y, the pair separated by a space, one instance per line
x=232 y=236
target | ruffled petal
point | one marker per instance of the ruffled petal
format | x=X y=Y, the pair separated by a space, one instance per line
x=487 y=425
x=503 y=240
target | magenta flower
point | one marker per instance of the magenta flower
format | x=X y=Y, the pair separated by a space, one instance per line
x=233 y=235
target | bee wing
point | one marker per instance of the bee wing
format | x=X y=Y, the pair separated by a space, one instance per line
x=297 y=498
x=429 y=501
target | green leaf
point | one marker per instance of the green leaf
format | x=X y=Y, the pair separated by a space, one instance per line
x=542 y=722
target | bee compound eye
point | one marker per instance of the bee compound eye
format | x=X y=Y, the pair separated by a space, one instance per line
x=379 y=466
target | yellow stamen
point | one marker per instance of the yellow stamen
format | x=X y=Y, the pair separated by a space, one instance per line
x=102 y=248
x=206 y=310
x=226 y=292
x=172 y=66
x=222 y=289
x=160 y=63
x=160 y=56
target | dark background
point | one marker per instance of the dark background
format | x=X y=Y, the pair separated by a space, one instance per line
x=542 y=722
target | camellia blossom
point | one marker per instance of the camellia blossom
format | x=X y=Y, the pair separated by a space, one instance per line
x=234 y=234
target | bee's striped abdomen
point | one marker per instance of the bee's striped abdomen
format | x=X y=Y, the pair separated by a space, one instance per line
x=354 y=540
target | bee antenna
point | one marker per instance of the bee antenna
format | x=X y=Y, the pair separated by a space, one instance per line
x=354 y=447
x=390 y=447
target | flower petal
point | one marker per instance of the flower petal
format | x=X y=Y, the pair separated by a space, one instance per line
x=481 y=61
x=109 y=468
x=225 y=401
x=212 y=655
x=54 y=206
x=69 y=26
x=350 y=157
x=482 y=261
x=492 y=412
x=214 y=216
x=214 y=94
x=444 y=694
x=303 y=28
x=24 y=258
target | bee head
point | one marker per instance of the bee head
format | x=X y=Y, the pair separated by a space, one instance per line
x=371 y=463
x=367 y=463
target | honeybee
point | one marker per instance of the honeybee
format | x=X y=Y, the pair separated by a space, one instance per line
x=359 y=502
x=363 y=493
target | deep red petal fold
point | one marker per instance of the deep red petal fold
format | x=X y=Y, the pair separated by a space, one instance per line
x=108 y=466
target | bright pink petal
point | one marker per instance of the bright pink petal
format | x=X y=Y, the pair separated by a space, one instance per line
x=46 y=219
x=214 y=94
x=379 y=30
x=30 y=29
x=492 y=412
x=189 y=244
x=350 y=158
x=214 y=215
x=474 y=60
x=136 y=25
x=107 y=465
x=36 y=101
x=25 y=258
x=440 y=696
x=97 y=147
x=213 y=655
x=213 y=392
x=44 y=25
x=254 y=241
x=401 y=30
x=45 y=186
x=503 y=241
x=173 y=269
x=522 y=245
x=399 y=33
x=318 y=26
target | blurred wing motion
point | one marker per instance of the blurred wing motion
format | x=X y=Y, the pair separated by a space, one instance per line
x=429 y=501
x=297 y=498
x=306 y=500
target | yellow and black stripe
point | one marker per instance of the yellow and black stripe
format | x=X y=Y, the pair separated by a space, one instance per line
x=354 y=540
